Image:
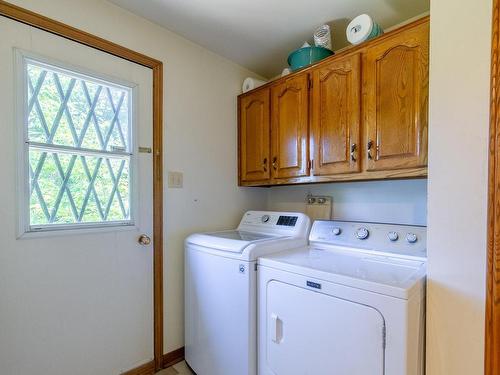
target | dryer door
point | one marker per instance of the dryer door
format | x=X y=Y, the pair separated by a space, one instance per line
x=310 y=333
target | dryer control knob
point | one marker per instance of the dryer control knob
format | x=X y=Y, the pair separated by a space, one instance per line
x=411 y=237
x=393 y=236
x=265 y=218
x=336 y=231
x=362 y=233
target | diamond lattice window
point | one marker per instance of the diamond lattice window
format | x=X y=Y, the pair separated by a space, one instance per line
x=78 y=137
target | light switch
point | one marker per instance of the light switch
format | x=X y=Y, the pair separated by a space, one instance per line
x=174 y=179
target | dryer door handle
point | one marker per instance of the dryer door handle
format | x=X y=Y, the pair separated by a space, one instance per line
x=276 y=328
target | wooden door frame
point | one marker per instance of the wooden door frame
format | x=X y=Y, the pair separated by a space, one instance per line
x=492 y=329
x=58 y=28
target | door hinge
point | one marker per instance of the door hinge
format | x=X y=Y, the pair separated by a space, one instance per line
x=255 y=267
x=310 y=83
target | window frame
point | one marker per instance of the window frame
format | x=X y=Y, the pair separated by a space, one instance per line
x=25 y=228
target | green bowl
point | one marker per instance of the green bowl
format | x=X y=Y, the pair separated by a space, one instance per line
x=306 y=56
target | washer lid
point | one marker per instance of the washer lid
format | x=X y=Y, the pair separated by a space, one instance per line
x=381 y=274
x=230 y=240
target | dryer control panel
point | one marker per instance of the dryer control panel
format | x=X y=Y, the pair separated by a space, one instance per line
x=397 y=239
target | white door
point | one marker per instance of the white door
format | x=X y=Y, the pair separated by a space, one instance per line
x=310 y=333
x=75 y=194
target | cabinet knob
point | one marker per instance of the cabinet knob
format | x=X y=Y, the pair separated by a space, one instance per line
x=369 y=149
x=353 y=150
x=275 y=163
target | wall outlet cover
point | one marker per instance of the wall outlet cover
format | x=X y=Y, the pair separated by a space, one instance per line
x=319 y=207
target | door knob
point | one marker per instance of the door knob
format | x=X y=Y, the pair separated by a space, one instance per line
x=144 y=240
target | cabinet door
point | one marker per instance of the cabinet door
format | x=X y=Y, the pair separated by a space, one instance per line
x=254 y=134
x=396 y=77
x=336 y=106
x=289 y=127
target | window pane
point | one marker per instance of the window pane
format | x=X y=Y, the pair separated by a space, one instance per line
x=79 y=152
x=67 y=188
x=67 y=110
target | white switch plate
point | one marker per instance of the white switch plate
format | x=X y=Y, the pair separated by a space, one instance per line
x=175 y=179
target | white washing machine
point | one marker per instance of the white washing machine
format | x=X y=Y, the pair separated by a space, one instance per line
x=221 y=289
x=351 y=303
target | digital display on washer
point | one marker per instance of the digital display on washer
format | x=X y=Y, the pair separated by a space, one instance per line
x=288 y=221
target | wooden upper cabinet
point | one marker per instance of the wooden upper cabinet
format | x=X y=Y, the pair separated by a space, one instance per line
x=254 y=136
x=396 y=76
x=336 y=107
x=359 y=115
x=289 y=128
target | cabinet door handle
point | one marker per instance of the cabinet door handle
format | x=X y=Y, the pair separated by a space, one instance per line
x=369 y=149
x=264 y=164
x=275 y=163
x=353 y=150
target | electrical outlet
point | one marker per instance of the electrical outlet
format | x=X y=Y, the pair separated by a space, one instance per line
x=175 y=179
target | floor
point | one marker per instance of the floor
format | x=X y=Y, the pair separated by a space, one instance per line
x=178 y=369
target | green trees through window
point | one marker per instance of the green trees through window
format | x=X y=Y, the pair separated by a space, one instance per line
x=79 y=154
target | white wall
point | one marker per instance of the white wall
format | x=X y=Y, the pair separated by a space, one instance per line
x=459 y=100
x=200 y=132
x=400 y=201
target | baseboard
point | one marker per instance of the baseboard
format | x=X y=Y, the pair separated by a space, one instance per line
x=169 y=359
x=173 y=357
x=145 y=369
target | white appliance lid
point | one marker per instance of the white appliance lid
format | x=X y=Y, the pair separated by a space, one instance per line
x=234 y=241
x=241 y=235
x=381 y=274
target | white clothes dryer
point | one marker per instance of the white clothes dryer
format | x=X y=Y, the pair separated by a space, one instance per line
x=351 y=303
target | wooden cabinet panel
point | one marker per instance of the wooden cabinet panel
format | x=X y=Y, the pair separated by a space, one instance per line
x=336 y=106
x=373 y=94
x=289 y=127
x=396 y=75
x=254 y=136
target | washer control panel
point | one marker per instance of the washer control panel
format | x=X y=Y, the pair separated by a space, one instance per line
x=288 y=221
x=274 y=222
x=408 y=240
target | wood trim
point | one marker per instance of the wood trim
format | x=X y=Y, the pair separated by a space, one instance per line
x=345 y=177
x=492 y=329
x=239 y=139
x=173 y=357
x=168 y=359
x=58 y=28
x=145 y=369
x=158 y=214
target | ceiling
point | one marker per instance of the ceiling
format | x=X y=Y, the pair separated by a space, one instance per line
x=259 y=34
